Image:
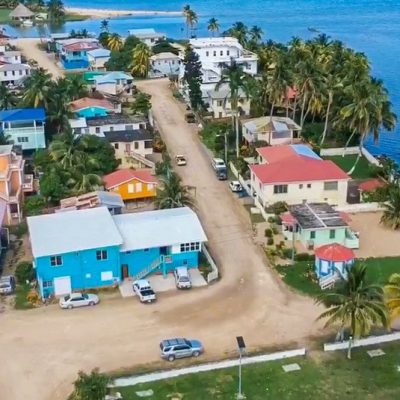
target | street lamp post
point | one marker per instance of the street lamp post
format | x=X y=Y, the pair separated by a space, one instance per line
x=241 y=347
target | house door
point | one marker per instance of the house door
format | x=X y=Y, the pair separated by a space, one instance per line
x=164 y=251
x=62 y=285
x=128 y=148
x=124 y=271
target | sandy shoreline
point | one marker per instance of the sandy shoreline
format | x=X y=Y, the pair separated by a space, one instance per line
x=104 y=13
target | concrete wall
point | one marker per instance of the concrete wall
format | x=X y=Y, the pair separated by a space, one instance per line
x=339 y=151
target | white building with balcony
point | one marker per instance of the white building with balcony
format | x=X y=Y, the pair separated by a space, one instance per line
x=24 y=127
x=213 y=53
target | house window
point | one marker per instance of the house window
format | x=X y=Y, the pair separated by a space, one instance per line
x=111 y=129
x=55 y=261
x=136 y=145
x=308 y=185
x=146 y=250
x=301 y=186
x=331 y=185
x=215 y=53
x=280 y=189
x=129 y=127
x=131 y=188
x=148 y=144
x=150 y=187
x=23 y=139
x=101 y=255
x=116 y=146
x=312 y=234
x=97 y=129
x=194 y=246
x=139 y=187
x=227 y=52
x=221 y=53
x=20 y=73
x=332 y=234
x=207 y=53
x=219 y=103
x=47 y=284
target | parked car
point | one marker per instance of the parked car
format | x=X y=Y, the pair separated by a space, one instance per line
x=7 y=284
x=144 y=291
x=180 y=160
x=74 y=300
x=180 y=348
x=218 y=163
x=235 y=186
x=182 y=278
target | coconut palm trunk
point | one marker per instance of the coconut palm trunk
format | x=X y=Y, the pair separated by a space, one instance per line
x=328 y=109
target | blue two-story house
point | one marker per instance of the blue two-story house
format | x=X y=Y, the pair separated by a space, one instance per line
x=24 y=127
x=74 y=54
x=90 y=248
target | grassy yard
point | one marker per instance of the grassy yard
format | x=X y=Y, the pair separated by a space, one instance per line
x=255 y=218
x=20 y=298
x=362 y=171
x=330 y=377
x=299 y=276
x=4 y=15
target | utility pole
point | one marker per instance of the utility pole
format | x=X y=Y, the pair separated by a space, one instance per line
x=241 y=347
x=226 y=147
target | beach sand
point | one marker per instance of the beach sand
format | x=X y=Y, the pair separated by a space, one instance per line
x=104 y=13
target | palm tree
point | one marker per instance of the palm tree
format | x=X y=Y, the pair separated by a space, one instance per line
x=58 y=113
x=191 y=20
x=38 y=89
x=238 y=83
x=141 y=60
x=171 y=193
x=114 y=42
x=186 y=11
x=392 y=294
x=104 y=26
x=7 y=98
x=55 y=10
x=76 y=87
x=64 y=150
x=213 y=26
x=368 y=111
x=239 y=31
x=355 y=305
x=83 y=181
x=391 y=214
x=256 y=34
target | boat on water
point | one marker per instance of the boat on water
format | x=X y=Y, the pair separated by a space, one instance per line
x=27 y=22
x=314 y=30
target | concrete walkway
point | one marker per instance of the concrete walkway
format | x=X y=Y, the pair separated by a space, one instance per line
x=157 y=376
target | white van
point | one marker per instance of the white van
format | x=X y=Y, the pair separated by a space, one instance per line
x=7 y=284
x=182 y=278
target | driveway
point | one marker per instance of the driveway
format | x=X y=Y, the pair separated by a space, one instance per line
x=43 y=349
x=30 y=50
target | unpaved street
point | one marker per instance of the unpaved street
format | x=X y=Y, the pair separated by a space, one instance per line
x=30 y=50
x=43 y=349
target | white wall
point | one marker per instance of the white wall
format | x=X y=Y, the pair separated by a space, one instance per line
x=8 y=76
x=98 y=62
x=122 y=148
x=339 y=151
x=297 y=195
x=222 y=108
x=115 y=127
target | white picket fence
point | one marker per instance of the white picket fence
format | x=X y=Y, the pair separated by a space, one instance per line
x=369 y=341
x=214 y=274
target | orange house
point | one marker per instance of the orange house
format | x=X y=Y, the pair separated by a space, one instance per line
x=13 y=184
x=131 y=184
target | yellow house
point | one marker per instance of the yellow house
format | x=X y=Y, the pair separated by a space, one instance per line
x=131 y=184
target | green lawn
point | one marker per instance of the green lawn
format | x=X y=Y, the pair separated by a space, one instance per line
x=362 y=171
x=331 y=378
x=298 y=276
x=255 y=218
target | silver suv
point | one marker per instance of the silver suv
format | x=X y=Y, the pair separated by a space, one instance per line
x=180 y=348
x=7 y=284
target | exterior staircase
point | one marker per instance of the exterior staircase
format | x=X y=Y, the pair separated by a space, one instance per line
x=141 y=159
x=329 y=281
x=144 y=272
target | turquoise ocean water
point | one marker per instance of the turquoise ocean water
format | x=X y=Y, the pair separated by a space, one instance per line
x=369 y=26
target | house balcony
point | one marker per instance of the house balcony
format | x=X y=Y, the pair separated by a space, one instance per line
x=27 y=185
x=29 y=130
x=352 y=240
x=16 y=164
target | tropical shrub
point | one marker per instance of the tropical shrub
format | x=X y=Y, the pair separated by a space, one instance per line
x=24 y=272
x=268 y=233
x=270 y=241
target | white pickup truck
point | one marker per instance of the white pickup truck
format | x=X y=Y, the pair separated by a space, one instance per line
x=144 y=291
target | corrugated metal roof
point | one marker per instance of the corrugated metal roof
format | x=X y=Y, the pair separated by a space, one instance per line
x=159 y=228
x=72 y=231
x=23 y=114
x=112 y=77
x=99 y=53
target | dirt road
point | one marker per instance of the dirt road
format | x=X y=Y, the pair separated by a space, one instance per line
x=42 y=350
x=30 y=50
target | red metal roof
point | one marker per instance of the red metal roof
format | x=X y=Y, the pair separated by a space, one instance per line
x=298 y=169
x=81 y=46
x=272 y=154
x=288 y=218
x=121 y=176
x=334 y=252
x=86 y=102
x=370 y=185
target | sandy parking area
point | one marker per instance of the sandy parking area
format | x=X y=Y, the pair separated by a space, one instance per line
x=43 y=349
x=375 y=239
